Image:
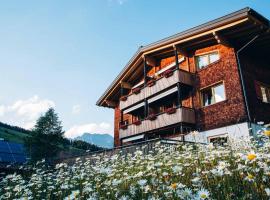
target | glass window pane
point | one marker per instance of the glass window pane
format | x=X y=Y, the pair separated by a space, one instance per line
x=202 y=61
x=268 y=95
x=219 y=93
x=264 y=96
x=213 y=57
x=207 y=97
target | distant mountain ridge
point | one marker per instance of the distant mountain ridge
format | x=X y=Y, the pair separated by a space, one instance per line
x=102 y=140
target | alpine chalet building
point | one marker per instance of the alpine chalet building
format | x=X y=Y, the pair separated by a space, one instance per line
x=213 y=78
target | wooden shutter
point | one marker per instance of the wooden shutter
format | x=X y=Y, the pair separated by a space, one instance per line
x=258 y=89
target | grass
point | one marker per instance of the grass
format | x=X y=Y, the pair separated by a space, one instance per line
x=12 y=135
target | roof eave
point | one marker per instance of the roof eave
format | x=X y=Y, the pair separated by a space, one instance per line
x=243 y=13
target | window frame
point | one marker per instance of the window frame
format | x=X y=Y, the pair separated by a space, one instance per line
x=225 y=135
x=267 y=93
x=212 y=86
x=260 y=96
x=208 y=58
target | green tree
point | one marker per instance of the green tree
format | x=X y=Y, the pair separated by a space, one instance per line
x=47 y=137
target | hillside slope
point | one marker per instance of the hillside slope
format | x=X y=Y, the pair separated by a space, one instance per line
x=13 y=133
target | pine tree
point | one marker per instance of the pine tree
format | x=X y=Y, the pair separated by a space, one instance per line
x=47 y=137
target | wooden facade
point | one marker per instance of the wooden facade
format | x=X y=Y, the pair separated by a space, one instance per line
x=195 y=80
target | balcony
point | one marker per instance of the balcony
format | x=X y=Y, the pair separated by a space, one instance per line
x=159 y=85
x=182 y=114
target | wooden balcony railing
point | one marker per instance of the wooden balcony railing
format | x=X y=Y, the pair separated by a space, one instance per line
x=160 y=84
x=182 y=114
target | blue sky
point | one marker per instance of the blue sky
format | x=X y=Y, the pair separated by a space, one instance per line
x=64 y=53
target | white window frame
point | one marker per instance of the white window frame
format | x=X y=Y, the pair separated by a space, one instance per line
x=208 y=58
x=213 y=93
x=265 y=94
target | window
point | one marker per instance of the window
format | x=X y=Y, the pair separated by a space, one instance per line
x=263 y=92
x=213 y=94
x=206 y=59
x=218 y=140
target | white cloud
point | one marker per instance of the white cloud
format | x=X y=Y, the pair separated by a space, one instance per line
x=76 y=109
x=24 y=113
x=88 y=128
x=2 y=110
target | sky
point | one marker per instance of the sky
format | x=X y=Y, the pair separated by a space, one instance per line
x=65 y=53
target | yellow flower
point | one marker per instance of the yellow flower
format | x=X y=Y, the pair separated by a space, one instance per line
x=203 y=196
x=250 y=176
x=251 y=156
x=174 y=186
x=267 y=133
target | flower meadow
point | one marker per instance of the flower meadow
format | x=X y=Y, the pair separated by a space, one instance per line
x=238 y=170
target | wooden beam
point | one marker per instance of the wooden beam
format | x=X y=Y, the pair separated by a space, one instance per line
x=151 y=61
x=110 y=103
x=221 y=39
x=258 y=22
x=181 y=50
x=126 y=85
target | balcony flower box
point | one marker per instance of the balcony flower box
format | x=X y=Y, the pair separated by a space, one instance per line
x=168 y=73
x=123 y=126
x=170 y=110
x=151 y=117
x=151 y=82
x=136 y=90
x=123 y=98
x=137 y=123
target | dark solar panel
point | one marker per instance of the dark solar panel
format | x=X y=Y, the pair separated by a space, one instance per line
x=12 y=152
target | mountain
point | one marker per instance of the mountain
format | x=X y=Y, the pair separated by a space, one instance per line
x=102 y=140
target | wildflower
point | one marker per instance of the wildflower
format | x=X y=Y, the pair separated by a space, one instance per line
x=185 y=193
x=251 y=156
x=267 y=190
x=250 y=177
x=267 y=133
x=195 y=180
x=203 y=194
x=177 y=169
x=142 y=182
x=174 y=186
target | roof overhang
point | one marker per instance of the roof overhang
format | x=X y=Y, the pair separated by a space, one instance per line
x=238 y=26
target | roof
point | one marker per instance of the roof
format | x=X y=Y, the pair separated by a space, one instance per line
x=245 y=13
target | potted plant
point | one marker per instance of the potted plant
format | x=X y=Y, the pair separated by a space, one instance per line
x=137 y=122
x=170 y=110
x=152 y=116
x=136 y=90
x=123 y=126
x=123 y=98
x=168 y=73
x=151 y=82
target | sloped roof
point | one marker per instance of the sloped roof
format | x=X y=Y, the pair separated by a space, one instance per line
x=243 y=14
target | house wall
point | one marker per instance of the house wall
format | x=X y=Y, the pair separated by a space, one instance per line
x=256 y=67
x=230 y=111
x=235 y=131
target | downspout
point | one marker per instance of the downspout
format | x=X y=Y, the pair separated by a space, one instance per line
x=242 y=79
